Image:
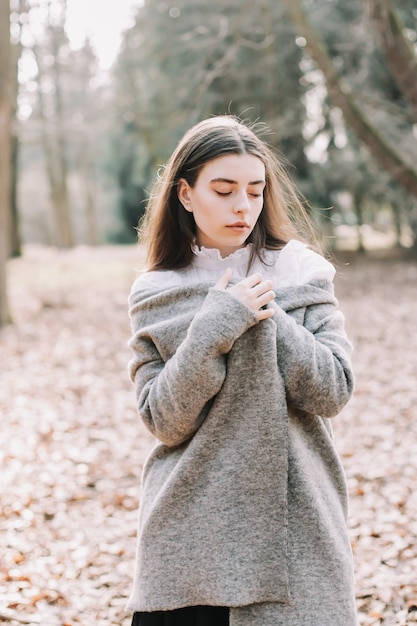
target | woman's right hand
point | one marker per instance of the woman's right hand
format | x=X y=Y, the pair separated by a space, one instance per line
x=252 y=291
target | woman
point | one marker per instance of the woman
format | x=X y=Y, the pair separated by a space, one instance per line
x=239 y=360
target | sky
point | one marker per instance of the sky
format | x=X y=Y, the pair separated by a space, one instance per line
x=103 y=21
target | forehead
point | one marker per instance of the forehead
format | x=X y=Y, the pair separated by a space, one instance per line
x=236 y=167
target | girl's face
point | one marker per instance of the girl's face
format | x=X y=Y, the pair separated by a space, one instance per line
x=225 y=201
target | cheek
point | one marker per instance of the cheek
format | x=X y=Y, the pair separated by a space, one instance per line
x=200 y=201
x=206 y=207
x=258 y=210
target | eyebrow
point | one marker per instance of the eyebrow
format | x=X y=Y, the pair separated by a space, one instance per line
x=235 y=182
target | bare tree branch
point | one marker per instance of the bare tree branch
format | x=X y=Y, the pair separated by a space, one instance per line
x=396 y=48
x=385 y=154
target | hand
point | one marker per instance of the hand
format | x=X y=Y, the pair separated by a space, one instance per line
x=251 y=291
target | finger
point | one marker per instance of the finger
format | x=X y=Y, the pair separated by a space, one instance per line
x=264 y=314
x=265 y=298
x=252 y=280
x=224 y=280
x=263 y=287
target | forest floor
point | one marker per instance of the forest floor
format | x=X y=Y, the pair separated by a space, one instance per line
x=72 y=447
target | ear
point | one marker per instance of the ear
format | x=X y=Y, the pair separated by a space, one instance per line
x=183 y=192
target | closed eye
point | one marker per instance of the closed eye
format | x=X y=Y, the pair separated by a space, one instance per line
x=228 y=193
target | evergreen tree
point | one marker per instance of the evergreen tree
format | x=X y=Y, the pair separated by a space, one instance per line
x=187 y=60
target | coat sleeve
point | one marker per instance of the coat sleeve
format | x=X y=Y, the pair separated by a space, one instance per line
x=173 y=396
x=314 y=357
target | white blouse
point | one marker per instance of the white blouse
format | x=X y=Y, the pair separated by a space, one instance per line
x=294 y=265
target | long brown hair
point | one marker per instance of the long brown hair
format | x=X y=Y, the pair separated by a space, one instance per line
x=168 y=230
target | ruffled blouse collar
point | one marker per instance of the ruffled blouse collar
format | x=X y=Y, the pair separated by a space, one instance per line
x=211 y=257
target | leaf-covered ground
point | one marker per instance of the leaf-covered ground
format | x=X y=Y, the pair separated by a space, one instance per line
x=72 y=448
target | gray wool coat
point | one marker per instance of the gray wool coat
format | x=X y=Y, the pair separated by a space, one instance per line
x=243 y=499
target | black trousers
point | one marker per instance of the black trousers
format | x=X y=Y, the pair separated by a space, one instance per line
x=188 y=616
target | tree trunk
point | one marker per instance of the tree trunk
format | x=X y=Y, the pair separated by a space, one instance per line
x=62 y=195
x=56 y=162
x=358 y=202
x=93 y=236
x=412 y=223
x=397 y=50
x=62 y=232
x=15 y=240
x=384 y=153
x=6 y=91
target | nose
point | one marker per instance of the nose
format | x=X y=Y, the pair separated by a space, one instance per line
x=242 y=203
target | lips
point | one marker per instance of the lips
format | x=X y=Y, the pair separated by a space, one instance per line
x=238 y=225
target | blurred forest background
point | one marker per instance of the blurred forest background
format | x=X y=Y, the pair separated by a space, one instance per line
x=334 y=81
